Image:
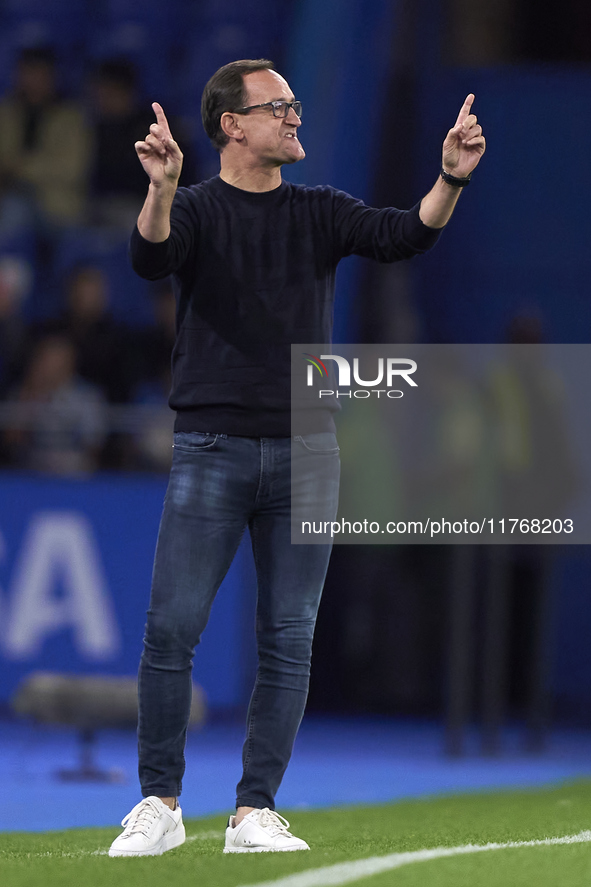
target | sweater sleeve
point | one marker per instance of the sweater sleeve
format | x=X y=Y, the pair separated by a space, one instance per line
x=153 y=261
x=385 y=235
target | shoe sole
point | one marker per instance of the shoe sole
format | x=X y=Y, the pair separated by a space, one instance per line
x=167 y=842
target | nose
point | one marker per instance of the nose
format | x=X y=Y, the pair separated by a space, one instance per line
x=293 y=118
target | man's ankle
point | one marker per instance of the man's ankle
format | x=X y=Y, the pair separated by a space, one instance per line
x=170 y=802
x=241 y=812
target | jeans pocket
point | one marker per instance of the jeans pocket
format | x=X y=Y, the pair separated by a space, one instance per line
x=319 y=443
x=191 y=441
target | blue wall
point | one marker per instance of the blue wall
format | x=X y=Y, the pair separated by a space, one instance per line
x=520 y=238
x=75 y=567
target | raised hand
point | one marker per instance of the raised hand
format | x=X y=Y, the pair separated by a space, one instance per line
x=159 y=154
x=464 y=144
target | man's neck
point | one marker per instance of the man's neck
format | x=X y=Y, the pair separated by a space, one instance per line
x=251 y=179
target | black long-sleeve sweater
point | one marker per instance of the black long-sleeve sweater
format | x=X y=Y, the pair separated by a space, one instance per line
x=253 y=273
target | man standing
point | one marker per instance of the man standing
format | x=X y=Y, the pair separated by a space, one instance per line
x=253 y=260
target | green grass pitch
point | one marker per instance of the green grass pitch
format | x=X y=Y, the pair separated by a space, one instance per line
x=77 y=858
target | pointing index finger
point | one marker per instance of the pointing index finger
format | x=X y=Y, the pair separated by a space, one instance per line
x=161 y=118
x=464 y=110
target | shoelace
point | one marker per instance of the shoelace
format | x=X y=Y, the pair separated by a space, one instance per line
x=141 y=818
x=273 y=821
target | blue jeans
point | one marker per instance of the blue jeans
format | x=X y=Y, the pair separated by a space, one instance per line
x=218 y=486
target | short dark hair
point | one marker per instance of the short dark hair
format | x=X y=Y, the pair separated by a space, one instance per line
x=225 y=91
x=119 y=71
x=37 y=55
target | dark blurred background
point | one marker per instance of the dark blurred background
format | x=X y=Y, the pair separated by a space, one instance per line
x=440 y=632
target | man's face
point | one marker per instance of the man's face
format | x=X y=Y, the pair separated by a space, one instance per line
x=271 y=140
x=36 y=81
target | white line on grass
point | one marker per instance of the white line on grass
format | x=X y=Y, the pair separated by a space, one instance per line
x=346 y=872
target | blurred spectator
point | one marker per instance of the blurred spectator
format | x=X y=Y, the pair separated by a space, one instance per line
x=538 y=479
x=151 y=449
x=102 y=352
x=538 y=472
x=15 y=277
x=44 y=149
x=155 y=344
x=61 y=424
x=452 y=463
x=118 y=182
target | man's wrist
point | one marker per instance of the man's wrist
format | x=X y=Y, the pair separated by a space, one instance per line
x=455 y=181
x=165 y=188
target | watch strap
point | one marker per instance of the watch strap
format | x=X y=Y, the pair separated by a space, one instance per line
x=456 y=181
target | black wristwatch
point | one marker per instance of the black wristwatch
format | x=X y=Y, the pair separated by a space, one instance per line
x=456 y=181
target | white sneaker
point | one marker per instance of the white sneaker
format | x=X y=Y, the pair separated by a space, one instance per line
x=261 y=831
x=150 y=829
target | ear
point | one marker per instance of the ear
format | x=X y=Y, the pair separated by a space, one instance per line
x=232 y=125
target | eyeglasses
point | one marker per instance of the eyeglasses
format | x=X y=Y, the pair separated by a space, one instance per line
x=280 y=109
